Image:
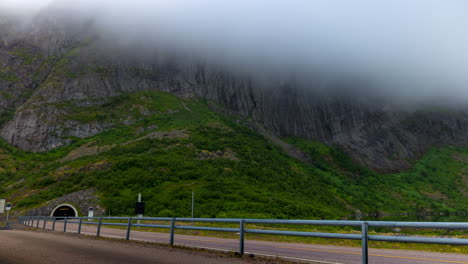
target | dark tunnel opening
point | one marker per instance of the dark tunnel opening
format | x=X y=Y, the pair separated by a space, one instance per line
x=64 y=211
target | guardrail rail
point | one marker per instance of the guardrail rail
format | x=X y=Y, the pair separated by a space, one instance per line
x=363 y=225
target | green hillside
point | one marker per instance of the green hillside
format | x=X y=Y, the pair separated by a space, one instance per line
x=165 y=147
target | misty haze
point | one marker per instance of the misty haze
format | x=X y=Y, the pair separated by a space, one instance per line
x=416 y=50
x=218 y=124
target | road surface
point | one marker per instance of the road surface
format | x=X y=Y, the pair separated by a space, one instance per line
x=318 y=253
x=27 y=247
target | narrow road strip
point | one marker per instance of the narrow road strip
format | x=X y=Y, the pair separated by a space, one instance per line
x=374 y=255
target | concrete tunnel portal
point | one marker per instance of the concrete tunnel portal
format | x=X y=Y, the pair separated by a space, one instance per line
x=64 y=210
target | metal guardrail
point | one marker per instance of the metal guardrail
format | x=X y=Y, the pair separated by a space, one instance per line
x=363 y=225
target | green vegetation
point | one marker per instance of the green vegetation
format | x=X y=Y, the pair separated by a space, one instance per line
x=165 y=147
x=124 y=107
x=7 y=74
x=26 y=56
x=6 y=116
x=435 y=183
x=102 y=71
x=9 y=78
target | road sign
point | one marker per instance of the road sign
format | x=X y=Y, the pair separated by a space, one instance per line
x=2 y=206
x=140 y=208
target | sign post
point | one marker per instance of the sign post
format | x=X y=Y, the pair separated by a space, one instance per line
x=139 y=208
x=90 y=213
x=8 y=208
x=193 y=203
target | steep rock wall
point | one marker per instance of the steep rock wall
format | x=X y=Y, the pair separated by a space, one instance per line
x=47 y=67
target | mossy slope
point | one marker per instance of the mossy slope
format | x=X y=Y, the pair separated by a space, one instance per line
x=165 y=147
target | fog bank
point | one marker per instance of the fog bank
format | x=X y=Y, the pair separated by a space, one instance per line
x=413 y=49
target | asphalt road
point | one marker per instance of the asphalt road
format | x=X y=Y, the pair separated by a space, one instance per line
x=316 y=253
x=26 y=247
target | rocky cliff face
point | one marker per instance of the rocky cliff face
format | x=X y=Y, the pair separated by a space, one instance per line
x=49 y=69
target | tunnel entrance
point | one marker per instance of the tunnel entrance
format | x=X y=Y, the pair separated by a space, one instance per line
x=64 y=210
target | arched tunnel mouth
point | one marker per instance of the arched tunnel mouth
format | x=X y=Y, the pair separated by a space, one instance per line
x=64 y=211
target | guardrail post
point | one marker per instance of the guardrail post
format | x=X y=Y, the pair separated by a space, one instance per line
x=365 y=249
x=45 y=222
x=65 y=225
x=241 y=237
x=79 y=225
x=171 y=238
x=53 y=224
x=129 y=227
x=98 y=233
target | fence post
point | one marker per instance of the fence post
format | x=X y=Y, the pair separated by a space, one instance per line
x=365 y=249
x=37 y=222
x=65 y=225
x=98 y=233
x=129 y=227
x=79 y=225
x=45 y=222
x=171 y=240
x=241 y=237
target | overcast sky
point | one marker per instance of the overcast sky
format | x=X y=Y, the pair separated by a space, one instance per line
x=416 y=47
x=21 y=5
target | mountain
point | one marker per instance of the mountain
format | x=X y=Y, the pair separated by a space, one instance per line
x=83 y=115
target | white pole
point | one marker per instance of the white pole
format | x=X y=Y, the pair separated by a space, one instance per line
x=193 y=203
x=139 y=215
